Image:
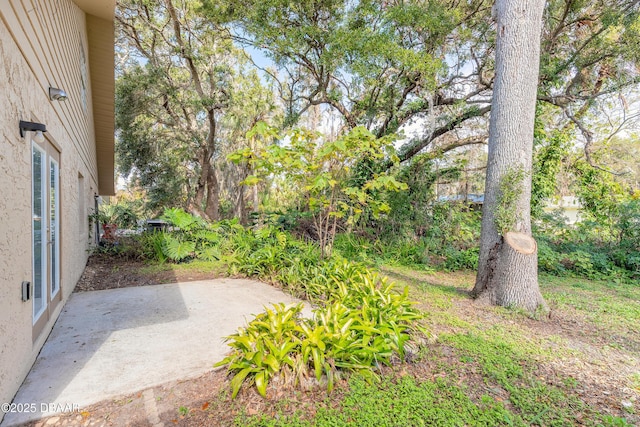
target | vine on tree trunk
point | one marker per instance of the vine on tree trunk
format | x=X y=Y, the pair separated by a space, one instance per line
x=506 y=213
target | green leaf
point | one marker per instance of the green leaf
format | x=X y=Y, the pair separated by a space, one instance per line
x=237 y=380
x=272 y=362
x=261 y=383
x=340 y=144
x=318 y=361
x=236 y=157
x=251 y=180
x=177 y=249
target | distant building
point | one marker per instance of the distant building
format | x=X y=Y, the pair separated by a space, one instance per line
x=56 y=153
x=569 y=206
x=474 y=201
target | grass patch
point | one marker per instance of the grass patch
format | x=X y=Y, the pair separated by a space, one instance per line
x=536 y=402
x=398 y=402
x=604 y=303
x=195 y=266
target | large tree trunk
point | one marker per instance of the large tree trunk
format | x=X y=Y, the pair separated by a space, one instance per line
x=507 y=275
x=212 y=208
x=195 y=205
x=206 y=200
x=518 y=259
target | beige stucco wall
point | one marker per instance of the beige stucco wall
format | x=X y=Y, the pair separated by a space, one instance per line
x=41 y=45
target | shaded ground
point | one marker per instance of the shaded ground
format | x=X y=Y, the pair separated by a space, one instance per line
x=108 y=272
x=601 y=362
x=577 y=353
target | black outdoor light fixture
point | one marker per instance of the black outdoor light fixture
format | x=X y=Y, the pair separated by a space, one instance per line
x=38 y=128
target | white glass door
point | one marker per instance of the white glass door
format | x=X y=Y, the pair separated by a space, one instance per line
x=45 y=202
x=54 y=227
x=39 y=232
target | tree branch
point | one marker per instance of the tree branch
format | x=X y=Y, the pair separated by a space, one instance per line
x=415 y=147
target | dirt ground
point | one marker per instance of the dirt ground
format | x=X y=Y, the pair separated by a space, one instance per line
x=107 y=272
x=205 y=400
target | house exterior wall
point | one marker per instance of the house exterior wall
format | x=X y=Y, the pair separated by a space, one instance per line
x=43 y=43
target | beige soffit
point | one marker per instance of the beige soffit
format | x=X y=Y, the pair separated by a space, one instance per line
x=102 y=71
x=104 y=9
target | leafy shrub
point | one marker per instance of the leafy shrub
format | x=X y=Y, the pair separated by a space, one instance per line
x=580 y=262
x=177 y=249
x=152 y=246
x=465 y=259
x=264 y=347
x=360 y=321
x=183 y=220
x=548 y=258
x=189 y=237
x=121 y=213
x=589 y=248
x=362 y=325
x=628 y=224
x=354 y=247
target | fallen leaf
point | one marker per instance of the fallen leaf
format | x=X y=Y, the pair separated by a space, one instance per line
x=205 y=406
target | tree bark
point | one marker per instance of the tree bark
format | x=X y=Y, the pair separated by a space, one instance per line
x=518 y=259
x=212 y=208
x=506 y=276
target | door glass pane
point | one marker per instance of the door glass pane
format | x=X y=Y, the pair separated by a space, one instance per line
x=54 y=222
x=39 y=234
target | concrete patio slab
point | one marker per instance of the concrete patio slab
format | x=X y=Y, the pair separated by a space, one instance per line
x=115 y=342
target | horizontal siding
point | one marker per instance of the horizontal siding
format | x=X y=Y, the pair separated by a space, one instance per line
x=51 y=34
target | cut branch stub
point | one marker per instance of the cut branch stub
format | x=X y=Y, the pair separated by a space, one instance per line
x=520 y=242
x=517 y=280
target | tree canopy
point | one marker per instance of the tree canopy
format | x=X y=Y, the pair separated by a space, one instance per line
x=422 y=72
x=388 y=64
x=182 y=91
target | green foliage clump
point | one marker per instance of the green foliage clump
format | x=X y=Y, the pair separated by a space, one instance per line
x=506 y=213
x=462 y=259
x=360 y=322
x=319 y=170
x=123 y=214
x=593 y=248
x=447 y=239
x=360 y=325
x=416 y=208
x=187 y=238
x=550 y=148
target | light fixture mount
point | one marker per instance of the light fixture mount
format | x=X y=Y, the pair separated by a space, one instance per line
x=56 y=94
x=31 y=127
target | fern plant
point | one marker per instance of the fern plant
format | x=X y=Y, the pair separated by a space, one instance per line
x=183 y=220
x=177 y=249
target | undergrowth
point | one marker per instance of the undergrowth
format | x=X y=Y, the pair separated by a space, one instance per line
x=360 y=322
x=360 y=325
